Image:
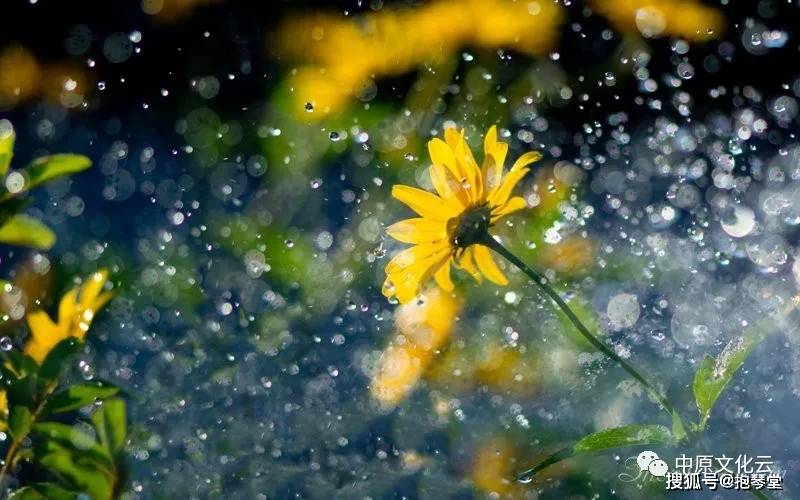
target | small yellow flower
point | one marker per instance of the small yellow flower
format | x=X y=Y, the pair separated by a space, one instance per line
x=470 y=200
x=75 y=313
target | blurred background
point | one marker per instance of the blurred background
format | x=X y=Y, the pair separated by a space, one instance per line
x=244 y=153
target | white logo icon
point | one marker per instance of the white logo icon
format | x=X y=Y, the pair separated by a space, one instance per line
x=644 y=459
x=648 y=461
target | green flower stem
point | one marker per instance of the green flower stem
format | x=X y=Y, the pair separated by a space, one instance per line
x=544 y=284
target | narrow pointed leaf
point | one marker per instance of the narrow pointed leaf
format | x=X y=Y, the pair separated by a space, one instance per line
x=78 y=396
x=57 y=357
x=51 y=167
x=23 y=230
x=43 y=491
x=7 y=137
x=110 y=423
x=608 y=439
x=19 y=421
x=80 y=438
x=79 y=471
x=714 y=374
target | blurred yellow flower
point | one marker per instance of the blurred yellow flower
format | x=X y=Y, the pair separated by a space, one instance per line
x=572 y=255
x=470 y=200
x=23 y=78
x=344 y=54
x=20 y=75
x=688 y=19
x=423 y=327
x=499 y=367
x=3 y=410
x=493 y=469
x=75 y=313
x=504 y=368
x=65 y=83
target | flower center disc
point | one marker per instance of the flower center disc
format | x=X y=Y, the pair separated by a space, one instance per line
x=470 y=227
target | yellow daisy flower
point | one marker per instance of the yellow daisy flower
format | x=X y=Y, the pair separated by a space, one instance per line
x=453 y=222
x=75 y=313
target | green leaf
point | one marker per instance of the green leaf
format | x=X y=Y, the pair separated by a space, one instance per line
x=26 y=493
x=7 y=137
x=78 y=396
x=17 y=364
x=78 y=470
x=713 y=375
x=678 y=430
x=48 y=168
x=43 y=491
x=608 y=439
x=25 y=231
x=18 y=377
x=21 y=391
x=628 y=435
x=110 y=422
x=81 y=438
x=54 y=362
x=19 y=422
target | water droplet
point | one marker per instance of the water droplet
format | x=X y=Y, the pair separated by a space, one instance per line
x=526 y=477
x=6 y=344
x=309 y=107
x=86 y=370
x=315 y=183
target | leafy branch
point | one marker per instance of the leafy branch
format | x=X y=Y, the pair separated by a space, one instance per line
x=17 y=228
x=711 y=378
x=87 y=457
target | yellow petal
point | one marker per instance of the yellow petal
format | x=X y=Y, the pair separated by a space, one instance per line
x=424 y=203
x=488 y=266
x=44 y=335
x=500 y=195
x=494 y=156
x=451 y=191
x=404 y=282
x=40 y=325
x=452 y=136
x=490 y=139
x=409 y=256
x=441 y=154
x=442 y=277
x=526 y=159
x=467 y=263
x=514 y=204
x=417 y=230
x=68 y=306
x=92 y=288
x=471 y=175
